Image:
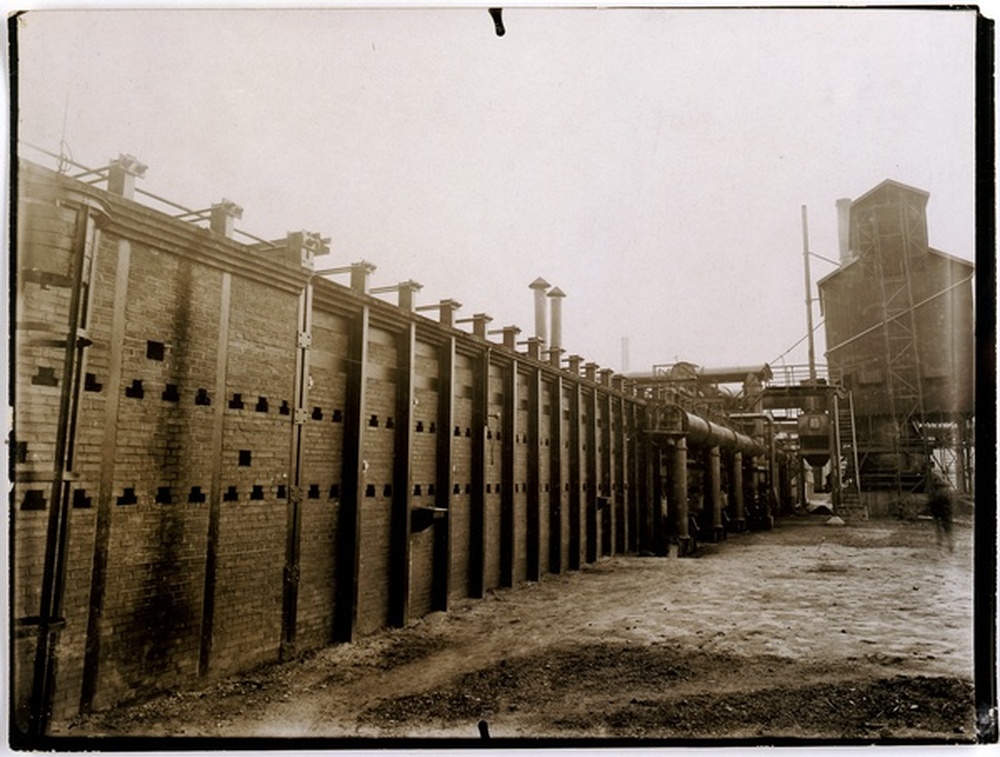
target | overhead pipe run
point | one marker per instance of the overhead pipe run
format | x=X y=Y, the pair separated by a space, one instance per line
x=704 y=433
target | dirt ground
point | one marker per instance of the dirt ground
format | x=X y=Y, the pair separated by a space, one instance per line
x=810 y=631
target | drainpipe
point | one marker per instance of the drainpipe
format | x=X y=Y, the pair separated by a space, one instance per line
x=50 y=620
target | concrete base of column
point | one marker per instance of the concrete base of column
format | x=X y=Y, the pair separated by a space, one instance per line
x=718 y=533
x=739 y=525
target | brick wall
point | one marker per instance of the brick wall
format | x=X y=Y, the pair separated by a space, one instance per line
x=423 y=472
x=379 y=438
x=322 y=441
x=461 y=450
x=186 y=422
x=494 y=467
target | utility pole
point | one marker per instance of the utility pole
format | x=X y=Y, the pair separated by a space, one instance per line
x=809 y=311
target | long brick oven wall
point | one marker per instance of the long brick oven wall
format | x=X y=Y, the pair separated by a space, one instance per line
x=264 y=461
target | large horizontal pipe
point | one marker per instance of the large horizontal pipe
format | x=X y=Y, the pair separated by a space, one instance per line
x=704 y=433
x=690 y=371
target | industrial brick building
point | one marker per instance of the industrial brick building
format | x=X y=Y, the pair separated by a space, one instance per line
x=222 y=457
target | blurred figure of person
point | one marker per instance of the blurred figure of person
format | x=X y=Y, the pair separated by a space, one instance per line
x=940 y=505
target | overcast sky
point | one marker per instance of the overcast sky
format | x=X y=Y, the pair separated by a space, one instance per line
x=650 y=163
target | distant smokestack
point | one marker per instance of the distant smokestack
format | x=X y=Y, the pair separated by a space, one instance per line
x=844 y=229
x=556 y=297
x=539 y=285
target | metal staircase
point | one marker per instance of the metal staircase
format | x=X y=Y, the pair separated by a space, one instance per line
x=846 y=456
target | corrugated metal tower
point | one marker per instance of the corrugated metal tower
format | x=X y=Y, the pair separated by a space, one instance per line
x=899 y=328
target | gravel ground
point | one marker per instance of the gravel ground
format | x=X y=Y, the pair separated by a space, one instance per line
x=856 y=633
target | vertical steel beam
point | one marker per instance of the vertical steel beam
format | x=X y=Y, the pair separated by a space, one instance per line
x=57 y=530
x=575 y=476
x=293 y=530
x=621 y=506
x=713 y=491
x=555 y=474
x=352 y=482
x=631 y=469
x=643 y=483
x=399 y=522
x=507 y=449
x=477 y=513
x=591 y=474
x=608 y=517
x=658 y=500
x=215 y=485
x=736 y=490
x=678 y=489
x=109 y=442
x=444 y=452
x=533 y=524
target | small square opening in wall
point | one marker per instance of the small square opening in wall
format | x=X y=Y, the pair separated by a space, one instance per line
x=196 y=495
x=338 y=416
x=128 y=497
x=468 y=432
x=389 y=423
x=282 y=492
x=456 y=489
x=90 y=383
x=420 y=426
x=489 y=489
x=135 y=391
x=20 y=452
x=370 y=490
x=170 y=394
x=154 y=350
x=261 y=406
x=458 y=431
x=313 y=491
x=432 y=429
x=163 y=495
x=202 y=398
x=45 y=377
x=245 y=457
x=284 y=409
x=236 y=403
x=373 y=421
x=80 y=499
x=257 y=492
x=231 y=495
x=34 y=499
x=317 y=414
x=334 y=491
x=417 y=490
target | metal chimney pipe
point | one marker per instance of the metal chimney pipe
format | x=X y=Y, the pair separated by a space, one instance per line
x=539 y=285
x=556 y=297
x=844 y=229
